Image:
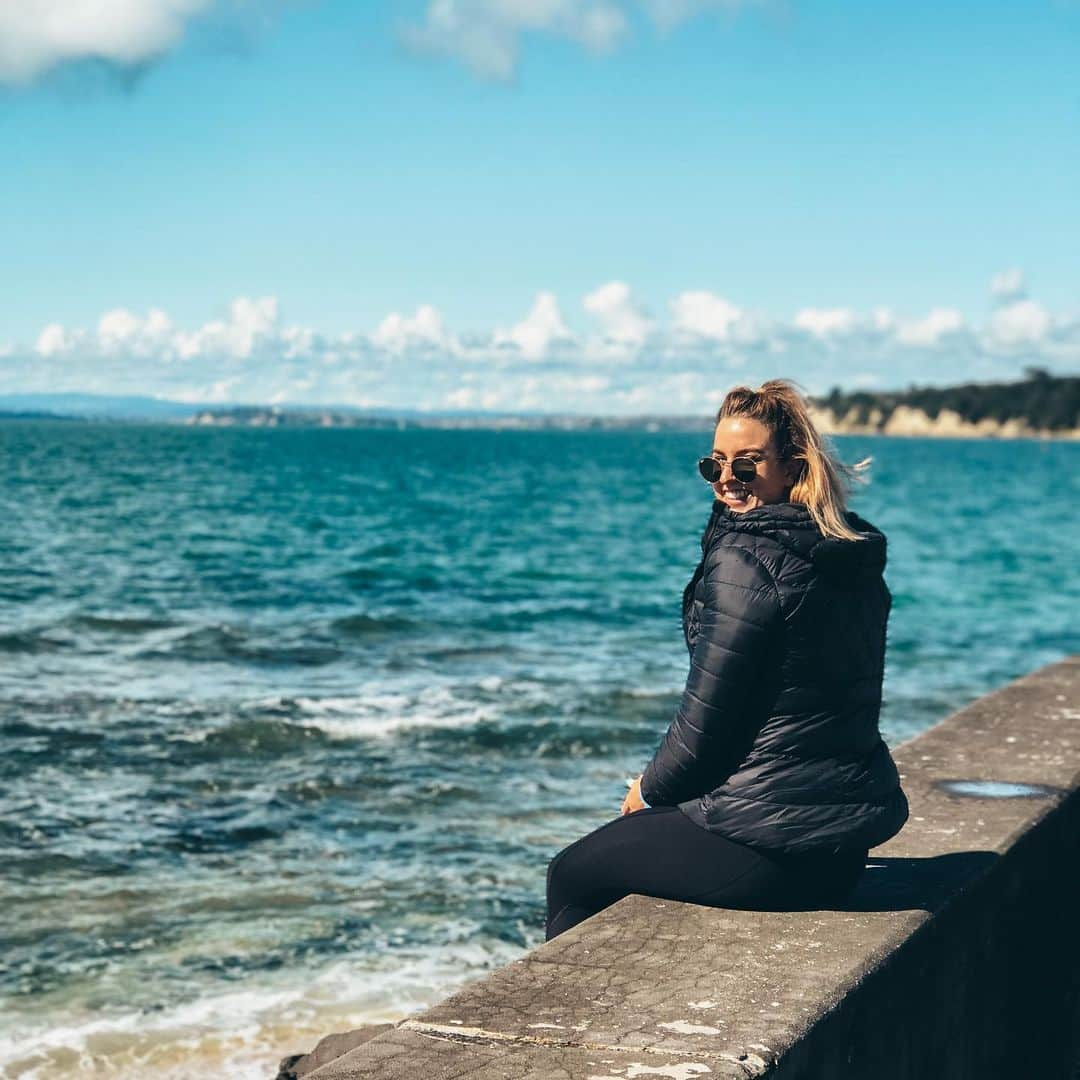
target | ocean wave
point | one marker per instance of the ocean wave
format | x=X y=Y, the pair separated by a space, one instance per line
x=32 y=642
x=559 y=739
x=400 y=577
x=367 y=626
x=533 y=614
x=265 y=736
x=377 y=715
x=500 y=651
x=243 y=1034
x=278 y=726
x=223 y=643
x=121 y=624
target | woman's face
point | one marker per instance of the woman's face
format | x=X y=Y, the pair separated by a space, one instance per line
x=742 y=436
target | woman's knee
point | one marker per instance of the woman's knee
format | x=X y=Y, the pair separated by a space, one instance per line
x=565 y=857
x=557 y=876
x=570 y=873
x=553 y=867
x=582 y=867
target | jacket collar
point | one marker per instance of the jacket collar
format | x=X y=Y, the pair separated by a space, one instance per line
x=791 y=526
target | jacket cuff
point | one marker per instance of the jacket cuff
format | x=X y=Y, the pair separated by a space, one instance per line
x=652 y=798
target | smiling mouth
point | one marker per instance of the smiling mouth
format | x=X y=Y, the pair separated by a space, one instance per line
x=740 y=494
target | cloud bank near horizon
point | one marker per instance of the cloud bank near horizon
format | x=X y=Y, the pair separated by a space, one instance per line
x=616 y=357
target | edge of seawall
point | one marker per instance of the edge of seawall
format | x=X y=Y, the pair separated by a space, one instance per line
x=957 y=956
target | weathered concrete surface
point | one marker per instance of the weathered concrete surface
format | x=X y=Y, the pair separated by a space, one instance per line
x=406 y=1053
x=329 y=1048
x=957 y=957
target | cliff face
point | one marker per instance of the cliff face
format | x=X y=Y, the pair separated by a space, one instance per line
x=909 y=421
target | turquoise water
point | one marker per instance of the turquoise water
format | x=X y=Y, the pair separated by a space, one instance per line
x=292 y=721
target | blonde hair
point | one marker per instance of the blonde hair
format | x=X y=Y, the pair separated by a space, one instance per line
x=822 y=481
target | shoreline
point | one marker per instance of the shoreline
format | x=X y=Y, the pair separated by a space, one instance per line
x=903 y=423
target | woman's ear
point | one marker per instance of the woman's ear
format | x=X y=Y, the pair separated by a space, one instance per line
x=793 y=470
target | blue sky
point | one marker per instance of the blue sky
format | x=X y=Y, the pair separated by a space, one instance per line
x=610 y=205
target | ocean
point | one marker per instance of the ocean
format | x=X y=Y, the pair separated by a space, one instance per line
x=293 y=720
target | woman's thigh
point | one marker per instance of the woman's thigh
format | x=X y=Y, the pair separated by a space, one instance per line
x=659 y=852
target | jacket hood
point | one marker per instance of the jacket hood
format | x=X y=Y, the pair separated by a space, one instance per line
x=791 y=526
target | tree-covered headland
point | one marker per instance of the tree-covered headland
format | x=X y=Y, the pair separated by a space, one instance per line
x=1041 y=402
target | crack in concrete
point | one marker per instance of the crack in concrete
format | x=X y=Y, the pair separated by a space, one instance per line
x=750 y=1064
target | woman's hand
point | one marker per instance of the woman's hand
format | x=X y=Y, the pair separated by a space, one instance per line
x=633 y=800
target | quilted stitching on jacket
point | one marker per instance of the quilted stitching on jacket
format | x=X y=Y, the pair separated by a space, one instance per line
x=775 y=742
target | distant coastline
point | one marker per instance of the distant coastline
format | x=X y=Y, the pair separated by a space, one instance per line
x=1040 y=406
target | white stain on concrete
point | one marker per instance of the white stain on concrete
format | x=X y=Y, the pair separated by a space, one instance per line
x=702 y=1004
x=685 y=1070
x=545 y=1026
x=747 y=1061
x=684 y=1027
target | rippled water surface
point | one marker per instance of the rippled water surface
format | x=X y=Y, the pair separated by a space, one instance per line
x=292 y=721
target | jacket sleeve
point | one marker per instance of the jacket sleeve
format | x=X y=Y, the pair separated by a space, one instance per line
x=731 y=684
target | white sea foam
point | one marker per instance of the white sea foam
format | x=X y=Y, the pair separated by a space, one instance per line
x=374 y=715
x=383 y=710
x=244 y=1033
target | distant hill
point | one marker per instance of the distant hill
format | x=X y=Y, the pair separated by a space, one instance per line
x=97 y=406
x=1040 y=404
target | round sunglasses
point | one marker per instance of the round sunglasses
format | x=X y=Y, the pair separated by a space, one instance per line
x=744 y=469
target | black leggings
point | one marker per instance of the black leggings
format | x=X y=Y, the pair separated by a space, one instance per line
x=661 y=852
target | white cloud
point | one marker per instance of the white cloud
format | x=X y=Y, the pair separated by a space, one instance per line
x=882 y=319
x=117 y=327
x=37 y=35
x=939 y=323
x=486 y=34
x=682 y=364
x=1008 y=285
x=705 y=315
x=826 y=322
x=215 y=393
x=299 y=342
x=677 y=392
x=54 y=340
x=624 y=324
x=399 y=333
x=250 y=322
x=1021 y=323
x=525 y=391
x=541 y=330
x=120 y=330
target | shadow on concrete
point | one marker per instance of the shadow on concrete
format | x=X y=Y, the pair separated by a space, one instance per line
x=893 y=884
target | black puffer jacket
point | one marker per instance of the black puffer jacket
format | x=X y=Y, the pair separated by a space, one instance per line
x=776 y=742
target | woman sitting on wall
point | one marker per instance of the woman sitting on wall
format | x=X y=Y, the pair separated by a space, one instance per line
x=772 y=782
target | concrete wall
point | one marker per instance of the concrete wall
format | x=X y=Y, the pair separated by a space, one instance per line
x=958 y=958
